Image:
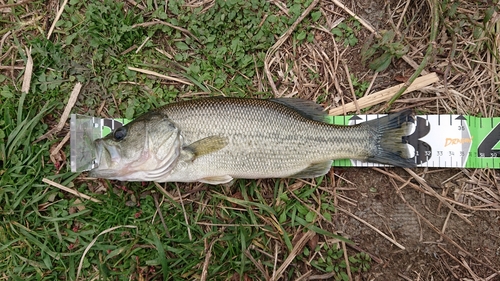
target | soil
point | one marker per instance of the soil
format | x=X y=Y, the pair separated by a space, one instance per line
x=465 y=251
x=427 y=256
x=435 y=244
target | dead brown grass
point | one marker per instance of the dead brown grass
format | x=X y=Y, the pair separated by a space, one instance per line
x=467 y=65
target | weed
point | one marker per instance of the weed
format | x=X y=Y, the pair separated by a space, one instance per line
x=44 y=231
x=384 y=50
x=332 y=259
x=481 y=22
x=359 y=86
x=345 y=32
x=234 y=35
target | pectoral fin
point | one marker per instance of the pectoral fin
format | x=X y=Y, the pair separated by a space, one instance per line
x=217 y=180
x=314 y=170
x=204 y=146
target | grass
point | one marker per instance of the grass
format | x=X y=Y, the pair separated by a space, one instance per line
x=345 y=32
x=254 y=230
x=137 y=232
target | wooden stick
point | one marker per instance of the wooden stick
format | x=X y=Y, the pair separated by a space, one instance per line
x=28 y=72
x=72 y=191
x=354 y=98
x=149 y=72
x=208 y=255
x=58 y=15
x=71 y=102
x=185 y=214
x=268 y=61
x=64 y=117
x=293 y=254
x=61 y=144
x=385 y=95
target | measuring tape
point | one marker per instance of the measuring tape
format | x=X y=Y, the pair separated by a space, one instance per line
x=83 y=131
x=447 y=141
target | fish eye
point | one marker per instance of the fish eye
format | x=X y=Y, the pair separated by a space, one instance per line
x=120 y=133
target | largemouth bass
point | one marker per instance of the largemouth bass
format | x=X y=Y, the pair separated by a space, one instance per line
x=216 y=140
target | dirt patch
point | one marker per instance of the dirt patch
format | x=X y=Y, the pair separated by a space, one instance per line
x=435 y=243
x=427 y=255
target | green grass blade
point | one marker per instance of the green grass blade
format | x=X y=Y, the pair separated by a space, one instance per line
x=161 y=254
x=321 y=231
x=20 y=108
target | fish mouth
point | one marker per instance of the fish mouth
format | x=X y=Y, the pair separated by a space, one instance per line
x=103 y=155
x=98 y=153
x=102 y=161
x=113 y=162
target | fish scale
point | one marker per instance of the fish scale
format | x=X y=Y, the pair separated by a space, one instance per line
x=281 y=135
x=227 y=138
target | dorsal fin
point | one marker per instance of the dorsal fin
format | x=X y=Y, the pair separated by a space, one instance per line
x=306 y=108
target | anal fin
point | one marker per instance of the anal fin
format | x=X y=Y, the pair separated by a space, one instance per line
x=314 y=170
x=217 y=179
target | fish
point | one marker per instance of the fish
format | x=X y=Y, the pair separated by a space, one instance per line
x=216 y=140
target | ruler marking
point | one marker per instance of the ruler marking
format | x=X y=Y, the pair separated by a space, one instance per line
x=434 y=139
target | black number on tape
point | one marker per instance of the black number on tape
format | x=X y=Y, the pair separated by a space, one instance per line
x=485 y=149
x=423 y=150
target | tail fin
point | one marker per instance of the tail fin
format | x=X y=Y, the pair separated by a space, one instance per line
x=392 y=147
